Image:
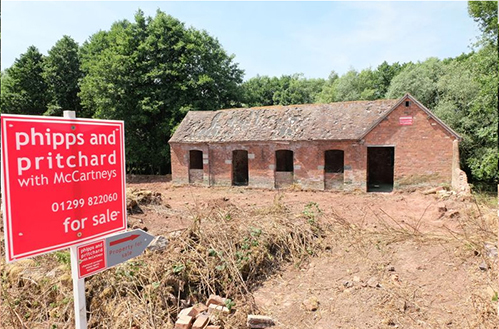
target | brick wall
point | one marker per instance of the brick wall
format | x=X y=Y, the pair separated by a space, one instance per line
x=423 y=150
x=308 y=156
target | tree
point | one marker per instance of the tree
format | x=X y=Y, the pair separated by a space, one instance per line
x=62 y=74
x=24 y=90
x=483 y=157
x=151 y=72
x=295 y=89
x=345 y=89
x=259 y=91
x=286 y=90
x=353 y=86
x=483 y=160
x=328 y=92
x=420 y=80
x=485 y=14
x=383 y=77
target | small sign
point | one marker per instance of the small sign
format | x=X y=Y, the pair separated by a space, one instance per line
x=100 y=255
x=91 y=258
x=405 y=121
x=124 y=246
x=63 y=182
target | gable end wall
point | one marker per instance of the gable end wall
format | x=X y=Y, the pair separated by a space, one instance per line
x=423 y=150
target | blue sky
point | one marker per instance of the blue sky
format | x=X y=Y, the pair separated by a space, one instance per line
x=267 y=38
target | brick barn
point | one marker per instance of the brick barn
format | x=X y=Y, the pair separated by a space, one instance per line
x=369 y=145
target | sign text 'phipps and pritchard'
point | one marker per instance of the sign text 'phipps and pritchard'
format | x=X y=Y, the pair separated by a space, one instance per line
x=72 y=172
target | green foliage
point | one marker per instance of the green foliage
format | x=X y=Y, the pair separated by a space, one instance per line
x=383 y=77
x=327 y=94
x=63 y=257
x=229 y=303
x=311 y=211
x=151 y=72
x=295 y=89
x=260 y=90
x=420 y=80
x=177 y=268
x=24 y=90
x=62 y=73
x=483 y=156
x=346 y=87
x=485 y=14
x=352 y=86
x=286 y=90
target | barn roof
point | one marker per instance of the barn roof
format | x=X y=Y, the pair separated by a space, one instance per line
x=334 y=121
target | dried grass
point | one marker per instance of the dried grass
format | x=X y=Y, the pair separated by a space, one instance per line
x=225 y=251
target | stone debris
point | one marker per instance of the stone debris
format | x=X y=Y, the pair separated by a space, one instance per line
x=259 y=321
x=348 y=284
x=202 y=316
x=311 y=304
x=158 y=243
x=185 y=311
x=430 y=191
x=136 y=197
x=444 y=194
x=483 y=266
x=395 y=278
x=490 y=250
x=373 y=282
x=442 y=208
x=219 y=308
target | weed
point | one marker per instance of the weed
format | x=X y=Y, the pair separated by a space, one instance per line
x=229 y=303
x=311 y=212
x=177 y=268
x=63 y=257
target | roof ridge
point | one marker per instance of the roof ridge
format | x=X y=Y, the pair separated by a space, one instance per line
x=304 y=105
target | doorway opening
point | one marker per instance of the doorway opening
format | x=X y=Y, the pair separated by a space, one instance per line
x=380 y=168
x=195 y=166
x=283 y=168
x=333 y=168
x=240 y=174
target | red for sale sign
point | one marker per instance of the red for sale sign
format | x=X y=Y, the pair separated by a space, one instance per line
x=63 y=182
x=91 y=258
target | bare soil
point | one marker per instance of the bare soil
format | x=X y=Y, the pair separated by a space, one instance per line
x=411 y=259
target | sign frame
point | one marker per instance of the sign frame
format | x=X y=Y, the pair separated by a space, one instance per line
x=406 y=121
x=9 y=219
x=102 y=268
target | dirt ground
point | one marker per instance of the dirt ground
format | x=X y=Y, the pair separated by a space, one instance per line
x=413 y=259
x=418 y=258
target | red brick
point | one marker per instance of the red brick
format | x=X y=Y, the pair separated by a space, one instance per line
x=201 y=322
x=184 y=322
x=185 y=311
x=259 y=321
x=217 y=300
x=198 y=309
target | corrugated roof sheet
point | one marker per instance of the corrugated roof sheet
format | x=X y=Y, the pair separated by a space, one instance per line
x=334 y=121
